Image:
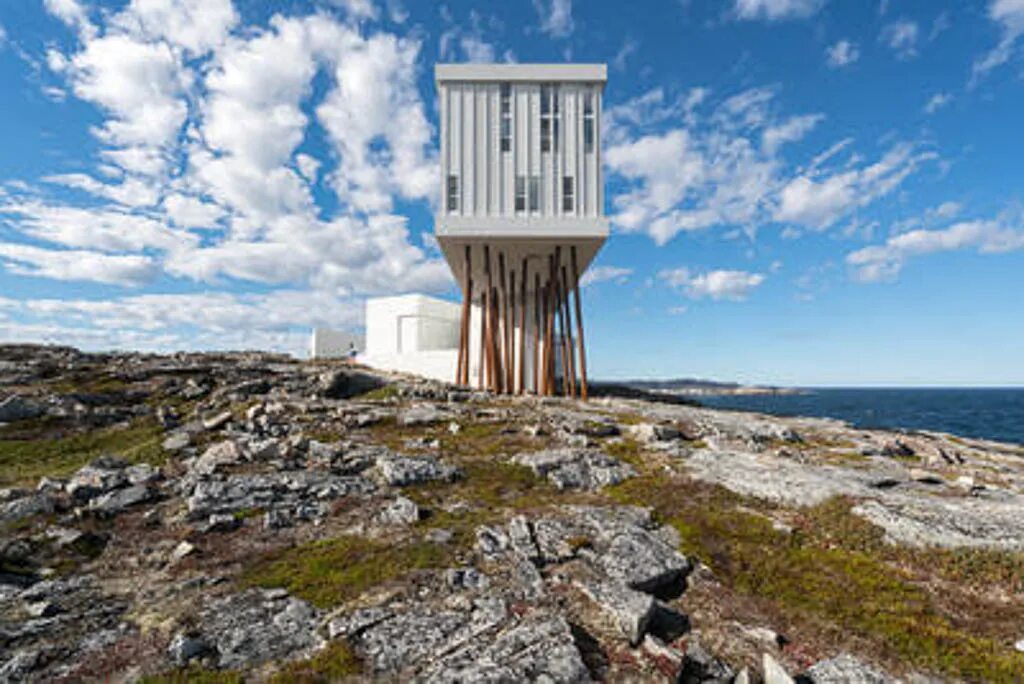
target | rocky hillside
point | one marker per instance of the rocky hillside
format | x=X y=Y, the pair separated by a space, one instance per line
x=250 y=517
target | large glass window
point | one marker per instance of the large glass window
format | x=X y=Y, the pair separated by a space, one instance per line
x=534 y=193
x=568 y=194
x=549 y=115
x=588 y=122
x=520 y=193
x=506 y=117
x=453 y=193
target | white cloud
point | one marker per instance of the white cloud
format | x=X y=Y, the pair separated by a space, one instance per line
x=723 y=166
x=555 y=17
x=790 y=130
x=308 y=165
x=776 y=10
x=191 y=212
x=128 y=270
x=359 y=10
x=72 y=13
x=600 y=274
x=197 y=26
x=131 y=192
x=1009 y=15
x=629 y=47
x=817 y=200
x=717 y=285
x=901 y=37
x=884 y=262
x=461 y=43
x=842 y=53
x=937 y=102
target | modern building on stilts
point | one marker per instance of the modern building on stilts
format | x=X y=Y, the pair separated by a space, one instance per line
x=520 y=220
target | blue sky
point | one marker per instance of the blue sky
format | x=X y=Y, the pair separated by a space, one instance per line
x=801 y=191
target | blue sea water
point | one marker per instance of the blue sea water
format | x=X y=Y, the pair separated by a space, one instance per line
x=985 y=413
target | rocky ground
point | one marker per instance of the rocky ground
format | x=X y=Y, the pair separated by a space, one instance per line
x=250 y=517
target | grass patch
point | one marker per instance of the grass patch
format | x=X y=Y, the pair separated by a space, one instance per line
x=330 y=572
x=836 y=567
x=24 y=460
x=379 y=394
x=334 y=662
x=626 y=449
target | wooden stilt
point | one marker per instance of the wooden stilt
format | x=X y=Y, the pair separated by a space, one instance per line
x=570 y=360
x=579 y=325
x=536 y=333
x=502 y=322
x=550 y=337
x=495 y=341
x=522 y=331
x=560 y=332
x=462 y=370
x=512 y=330
x=487 y=359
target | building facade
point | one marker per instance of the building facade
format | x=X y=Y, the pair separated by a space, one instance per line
x=521 y=217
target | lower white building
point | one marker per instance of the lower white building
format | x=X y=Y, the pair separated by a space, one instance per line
x=412 y=334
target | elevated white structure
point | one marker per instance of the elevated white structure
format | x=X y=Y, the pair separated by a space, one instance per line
x=521 y=217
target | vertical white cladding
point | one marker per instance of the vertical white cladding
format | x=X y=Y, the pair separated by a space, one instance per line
x=549 y=170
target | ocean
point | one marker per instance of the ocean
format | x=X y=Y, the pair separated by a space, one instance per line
x=996 y=414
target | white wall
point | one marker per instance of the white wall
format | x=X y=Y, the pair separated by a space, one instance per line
x=411 y=323
x=331 y=344
x=470 y=149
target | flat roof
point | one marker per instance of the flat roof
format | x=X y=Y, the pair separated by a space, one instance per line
x=594 y=73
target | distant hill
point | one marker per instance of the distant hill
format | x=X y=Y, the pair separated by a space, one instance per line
x=700 y=386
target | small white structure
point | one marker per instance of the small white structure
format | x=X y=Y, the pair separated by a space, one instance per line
x=413 y=334
x=326 y=343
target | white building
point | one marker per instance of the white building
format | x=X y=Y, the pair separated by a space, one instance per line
x=520 y=219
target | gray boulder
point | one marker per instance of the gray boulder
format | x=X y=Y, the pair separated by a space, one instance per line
x=104 y=474
x=26 y=506
x=845 y=669
x=401 y=471
x=259 y=626
x=347 y=383
x=631 y=610
x=120 y=499
x=399 y=511
x=15 y=408
x=570 y=468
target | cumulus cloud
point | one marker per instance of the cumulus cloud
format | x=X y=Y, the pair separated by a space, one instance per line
x=717 y=285
x=688 y=165
x=199 y=177
x=1009 y=16
x=128 y=270
x=818 y=199
x=776 y=10
x=555 y=17
x=884 y=262
x=901 y=37
x=841 y=54
x=601 y=274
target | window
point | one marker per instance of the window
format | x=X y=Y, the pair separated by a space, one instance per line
x=520 y=193
x=568 y=194
x=588 y=123
x=453 y=193
x=506 y=117
x=534 y=193
x=549 y=114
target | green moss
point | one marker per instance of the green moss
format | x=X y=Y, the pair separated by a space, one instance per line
x=246 y=513
x=330 y=572
x=336 y=661
x=88 y=383
x=380 y=394
x=834 y=567
x=24 y=460
x=626 y=449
